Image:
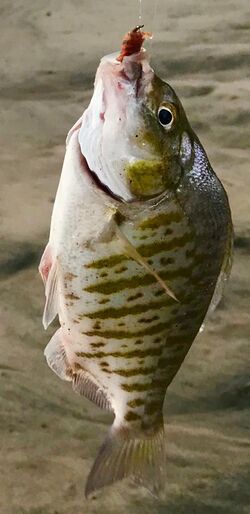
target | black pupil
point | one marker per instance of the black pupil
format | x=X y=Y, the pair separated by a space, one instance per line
x=165 y=116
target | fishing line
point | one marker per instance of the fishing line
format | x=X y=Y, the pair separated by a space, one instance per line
x=140 y=12
x=153 y=25
x=152 y=28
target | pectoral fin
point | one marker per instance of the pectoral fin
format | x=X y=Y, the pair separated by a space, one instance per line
x=132 y=252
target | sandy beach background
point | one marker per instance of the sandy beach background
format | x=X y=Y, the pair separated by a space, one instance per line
x=48 y=435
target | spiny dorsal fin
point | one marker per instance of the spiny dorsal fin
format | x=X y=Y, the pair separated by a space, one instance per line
x=222 y=279
x=132 y=252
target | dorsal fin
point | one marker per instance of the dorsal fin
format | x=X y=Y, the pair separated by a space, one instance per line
x=222 y=279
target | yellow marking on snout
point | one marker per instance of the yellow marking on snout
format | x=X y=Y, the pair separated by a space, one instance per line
x=146 y=178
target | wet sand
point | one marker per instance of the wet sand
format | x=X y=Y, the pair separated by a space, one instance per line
x=48 y=435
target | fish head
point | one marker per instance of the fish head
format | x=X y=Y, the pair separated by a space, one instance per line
x=132 y=131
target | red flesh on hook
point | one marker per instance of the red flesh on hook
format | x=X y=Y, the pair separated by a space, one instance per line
x=133 y=42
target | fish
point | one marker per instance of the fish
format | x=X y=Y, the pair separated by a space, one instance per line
x=140 y=248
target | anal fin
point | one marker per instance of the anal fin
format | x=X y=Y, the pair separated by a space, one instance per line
x=85 y=385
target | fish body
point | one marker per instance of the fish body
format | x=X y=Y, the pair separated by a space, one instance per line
x=127 y=220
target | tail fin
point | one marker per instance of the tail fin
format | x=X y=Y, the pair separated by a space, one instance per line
x=121 y=456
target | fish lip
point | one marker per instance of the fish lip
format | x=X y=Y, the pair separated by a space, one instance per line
x=133 y=73
x=136 y=82
x=134 y=69
x=105 y=189
x=95 y=180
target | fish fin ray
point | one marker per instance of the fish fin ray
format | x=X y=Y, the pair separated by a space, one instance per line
x=122 y=456
x=56 y=356
x=224 y=274
x=51 y=294
x=132 y=252
x=222 y=279
x=45 y=264
x=84 y=384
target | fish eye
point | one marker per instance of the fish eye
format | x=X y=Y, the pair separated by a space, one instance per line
x=165 y=116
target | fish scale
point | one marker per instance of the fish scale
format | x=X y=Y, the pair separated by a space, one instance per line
x=145 y=318
x=140 y=246
x=105 y=328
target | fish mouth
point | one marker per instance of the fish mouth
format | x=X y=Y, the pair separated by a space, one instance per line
x=133 y=73
x=105 y=190
x=134 y=69
x=112 y=121
x=95 y=179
